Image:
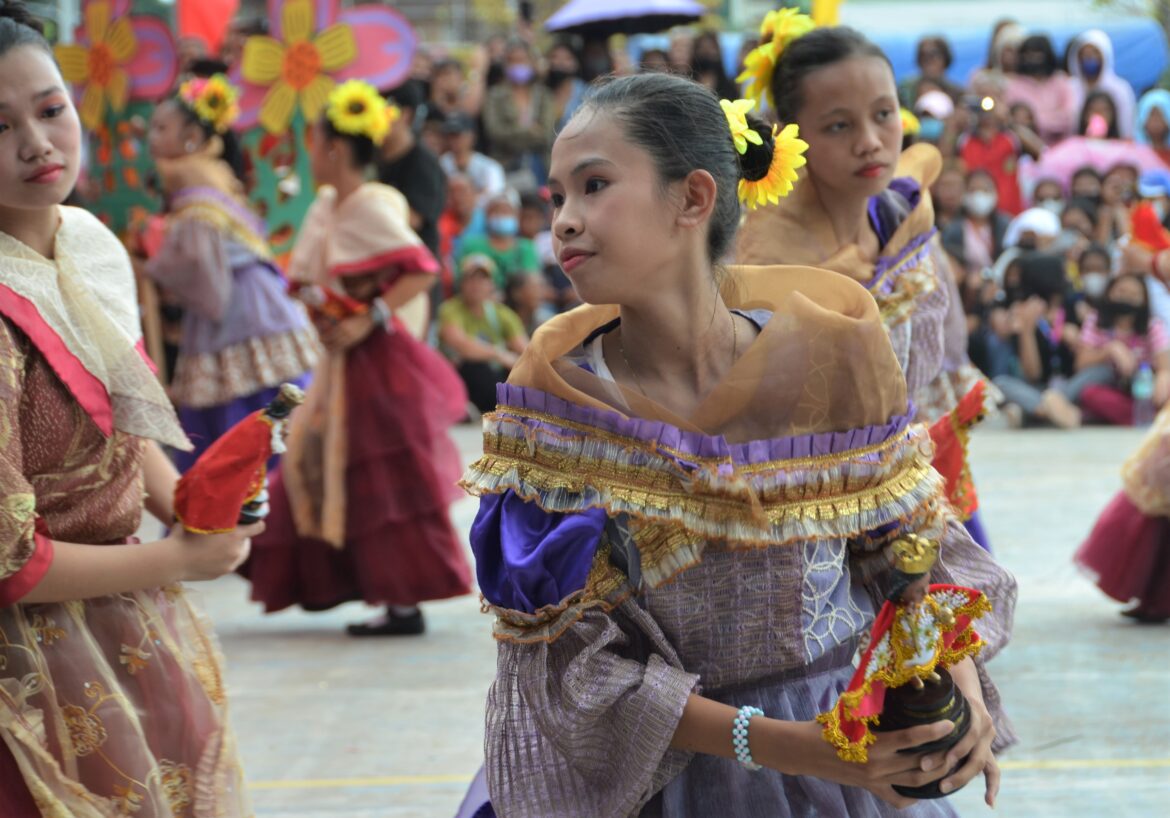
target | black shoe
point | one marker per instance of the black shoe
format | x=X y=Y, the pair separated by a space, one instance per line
x=390 y=624
x=1137 y=614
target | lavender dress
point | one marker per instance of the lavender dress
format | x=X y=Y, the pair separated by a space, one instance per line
x=607 y=622
x=242 y=335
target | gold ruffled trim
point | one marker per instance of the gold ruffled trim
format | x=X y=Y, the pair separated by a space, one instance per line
x=916 y=277
x=209 y=213
x=213 y=379
x=605 y=588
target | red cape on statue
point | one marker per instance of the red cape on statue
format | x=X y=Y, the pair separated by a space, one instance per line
x=229 y=474
x=949 y=434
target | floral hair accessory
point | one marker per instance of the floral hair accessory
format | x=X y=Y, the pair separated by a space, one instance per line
x=356 y=108
x=777 y=31
x=769 y=184
x=910 y=124
x=213 y=100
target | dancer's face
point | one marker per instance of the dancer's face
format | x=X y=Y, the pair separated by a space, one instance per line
x=40 y=135
x=851 y=122
x=617 y=230
x=170 y=135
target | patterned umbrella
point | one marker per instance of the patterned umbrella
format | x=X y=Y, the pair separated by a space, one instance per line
x=601 y=18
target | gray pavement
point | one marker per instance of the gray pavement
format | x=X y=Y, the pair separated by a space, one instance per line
x=330 y=726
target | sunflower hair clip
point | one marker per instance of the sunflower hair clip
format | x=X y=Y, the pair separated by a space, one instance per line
x=355 y=108
x=763 y=182
x=777 y=31
x=213 y=100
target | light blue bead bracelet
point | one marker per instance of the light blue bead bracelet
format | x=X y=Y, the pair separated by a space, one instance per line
x=739 y=735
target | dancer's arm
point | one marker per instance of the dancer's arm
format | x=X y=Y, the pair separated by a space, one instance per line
x=160 y=477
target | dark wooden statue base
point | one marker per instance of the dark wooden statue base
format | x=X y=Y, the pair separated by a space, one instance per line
x=907 y=707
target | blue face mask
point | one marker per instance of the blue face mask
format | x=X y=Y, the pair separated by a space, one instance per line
x=930 y=129
x=503 y=225
x=1091 y=68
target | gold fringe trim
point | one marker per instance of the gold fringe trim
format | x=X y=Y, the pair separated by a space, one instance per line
x=916 y=277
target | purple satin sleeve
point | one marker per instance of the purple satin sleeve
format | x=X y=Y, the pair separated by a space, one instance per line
x=888 y=209
x=527 y=558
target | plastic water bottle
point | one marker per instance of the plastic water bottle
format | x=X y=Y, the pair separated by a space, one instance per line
x=1142 y=390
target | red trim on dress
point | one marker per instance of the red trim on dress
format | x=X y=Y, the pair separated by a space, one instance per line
x=416 y=259
x=15 y=587
x=88 y=390
x=141 y=348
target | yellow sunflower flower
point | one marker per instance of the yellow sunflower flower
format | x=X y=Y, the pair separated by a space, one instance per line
x=741 y=132
x=910 y=123
x=100 y=65
x=295 y=70
x=777 y=31
x=214 y=100
x=357 y=109
x=787 y=156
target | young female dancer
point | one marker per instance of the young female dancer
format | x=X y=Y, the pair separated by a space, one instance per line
x=243 y=336
x=863 y=208
x=359 y=504
x=111 y=691
x=688 y=494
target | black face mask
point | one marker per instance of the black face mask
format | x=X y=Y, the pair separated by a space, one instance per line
x=1033 y=68
x=556 y=76
x=1112 y=310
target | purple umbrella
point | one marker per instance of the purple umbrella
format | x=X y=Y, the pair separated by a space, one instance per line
x=601 y=18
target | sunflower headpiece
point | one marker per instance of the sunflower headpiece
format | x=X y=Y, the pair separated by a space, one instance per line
x=770 y=172
x=777 y=31
x=213 y=100
x=356 y=108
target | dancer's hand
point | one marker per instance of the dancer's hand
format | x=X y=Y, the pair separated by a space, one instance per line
x=347 y=333
x=977 y=742
x=885 y=765
x=210 y=556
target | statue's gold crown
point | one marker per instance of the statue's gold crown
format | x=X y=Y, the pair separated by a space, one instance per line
x=914 y=554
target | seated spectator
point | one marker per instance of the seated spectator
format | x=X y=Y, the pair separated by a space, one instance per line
x=520 y=119
x=1116 y=339
x=1048 y=194
x=1022 y=122
x=1099 y=117
x=976 y=240
x=933 y=58
x=481 y=337
x=512 y=253
x=1118 y=192
x=530 y=296
x=1153 y=122
x=1086 y=184
x=563 y=79
x=1038 y=357
x=1091 y=66
x=1044 y=88
x=535 y=226
x=992 y=147
x=1034 y=229
x=1079 y=218
x=462 y=218
x=1093 y=270
x=947 y=194
x=707 y=66
x=460 y=157
x=655 y=60
x=934 y=110
x=990 y=80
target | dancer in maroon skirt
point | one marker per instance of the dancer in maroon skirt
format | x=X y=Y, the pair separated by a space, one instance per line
x=359 y=504
x=1128 y=551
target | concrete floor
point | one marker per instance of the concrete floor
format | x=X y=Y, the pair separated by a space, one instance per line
x=330 y=726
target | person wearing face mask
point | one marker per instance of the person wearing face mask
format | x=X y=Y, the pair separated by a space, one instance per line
x=511 y=253
x=1044 y=88
x=707 y=66
x=1116 y=340
x=990 y=146
x=933 y=109
x=1092 y=70
x=1153 y=122
x=1093 y=268
x=563 y=79
x=1048 y=194
x=520 y=119
x=976 y=240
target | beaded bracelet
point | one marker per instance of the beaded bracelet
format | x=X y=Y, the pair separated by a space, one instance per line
x=739 y=735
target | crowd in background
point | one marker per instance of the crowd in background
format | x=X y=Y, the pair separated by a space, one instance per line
x=1044 y=153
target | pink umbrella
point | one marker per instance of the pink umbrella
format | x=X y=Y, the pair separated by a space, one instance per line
x=1065 y=158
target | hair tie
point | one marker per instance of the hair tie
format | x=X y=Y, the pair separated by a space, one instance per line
x=355 y=108
x=786 y=153
x=213 y=100
x=777 y=31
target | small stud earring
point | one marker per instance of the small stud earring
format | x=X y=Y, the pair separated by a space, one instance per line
x=190 y=146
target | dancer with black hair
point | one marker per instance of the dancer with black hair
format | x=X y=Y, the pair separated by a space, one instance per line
x=863 y=210
x=242 y=334
x=113 y=699
x=688 y=495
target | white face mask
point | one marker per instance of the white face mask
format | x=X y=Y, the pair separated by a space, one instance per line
x=980 y=202
x=1052 y=206
x=1094 y=284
